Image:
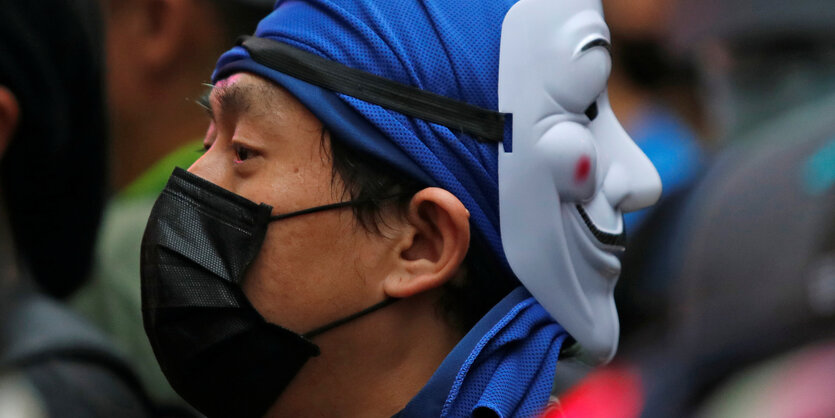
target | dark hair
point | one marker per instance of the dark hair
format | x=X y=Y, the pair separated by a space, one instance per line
x=480 y=283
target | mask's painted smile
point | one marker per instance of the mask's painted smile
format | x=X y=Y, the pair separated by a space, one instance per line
x=615 y=240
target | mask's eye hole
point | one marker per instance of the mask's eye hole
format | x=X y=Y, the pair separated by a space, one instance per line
x=591 y=111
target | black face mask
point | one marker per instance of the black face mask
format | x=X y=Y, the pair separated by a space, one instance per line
x=216 y=350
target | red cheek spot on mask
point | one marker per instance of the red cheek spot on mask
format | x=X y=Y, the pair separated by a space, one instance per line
x=582 y=169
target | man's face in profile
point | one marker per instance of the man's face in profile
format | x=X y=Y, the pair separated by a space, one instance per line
x=267 y=147
x=324 y=276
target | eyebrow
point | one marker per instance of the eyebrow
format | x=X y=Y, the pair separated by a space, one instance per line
x=599 y=42
x=234 y=98
x=237 y=99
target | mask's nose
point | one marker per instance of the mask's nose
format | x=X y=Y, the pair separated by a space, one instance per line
x=631 y=182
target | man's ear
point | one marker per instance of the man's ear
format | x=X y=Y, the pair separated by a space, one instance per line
x=432 y=249
x=162 y=29
x=9 y=115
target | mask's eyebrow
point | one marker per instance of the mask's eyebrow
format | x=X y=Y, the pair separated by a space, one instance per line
x=598 y=42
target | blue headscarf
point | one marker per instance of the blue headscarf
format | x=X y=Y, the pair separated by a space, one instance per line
x=443 y=46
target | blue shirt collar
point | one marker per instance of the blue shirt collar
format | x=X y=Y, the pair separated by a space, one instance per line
x=430 y=400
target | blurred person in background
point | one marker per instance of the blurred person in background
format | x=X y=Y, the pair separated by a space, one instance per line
x=652 y=92
x=756 y=276
x=752 y=306
x=423 y=250
x=159 y=55
x=52 y=173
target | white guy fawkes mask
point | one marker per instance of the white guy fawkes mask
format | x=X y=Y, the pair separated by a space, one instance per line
x=572 y=171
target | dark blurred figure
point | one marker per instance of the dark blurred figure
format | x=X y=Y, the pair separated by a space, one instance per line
x=52 y=145
x=756 y=240
x=750 y=314
x=653 y=91
x=54 y=71
x=159 y=54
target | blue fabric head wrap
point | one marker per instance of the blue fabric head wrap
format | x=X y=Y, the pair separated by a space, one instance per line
x=442 y=46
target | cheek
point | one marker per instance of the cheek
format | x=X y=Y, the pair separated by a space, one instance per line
x=570 y=154
x=306 y=271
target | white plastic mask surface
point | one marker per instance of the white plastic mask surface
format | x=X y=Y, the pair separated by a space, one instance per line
x=570 y=160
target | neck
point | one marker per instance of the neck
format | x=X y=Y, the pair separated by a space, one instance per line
x=373 y=366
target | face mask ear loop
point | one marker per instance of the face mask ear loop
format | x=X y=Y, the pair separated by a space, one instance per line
x=313 y=210
x=321 y=330
x=332 y=206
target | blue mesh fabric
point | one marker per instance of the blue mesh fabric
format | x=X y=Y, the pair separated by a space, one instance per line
x=511 y=369
x=444 y=46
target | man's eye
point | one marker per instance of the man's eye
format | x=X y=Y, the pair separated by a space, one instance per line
x=591 y=111
x=243 y=153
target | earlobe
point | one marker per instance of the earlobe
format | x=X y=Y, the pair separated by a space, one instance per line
x=9 y=115
x=435 y=246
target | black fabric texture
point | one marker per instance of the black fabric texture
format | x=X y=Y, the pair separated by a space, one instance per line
x=217 y=351
x=53 y=171
x=483 y=124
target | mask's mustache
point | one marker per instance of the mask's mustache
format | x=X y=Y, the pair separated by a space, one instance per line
x=605 y=238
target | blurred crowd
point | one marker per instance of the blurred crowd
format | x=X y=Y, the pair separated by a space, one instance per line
x=727 y=297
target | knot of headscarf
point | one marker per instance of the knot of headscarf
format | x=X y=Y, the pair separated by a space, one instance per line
x=511 y=370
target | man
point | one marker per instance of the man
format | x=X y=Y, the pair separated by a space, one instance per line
x=159 y=55
x=375 y=278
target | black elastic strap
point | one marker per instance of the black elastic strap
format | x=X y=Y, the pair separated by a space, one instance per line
x=332 y=325
x=337 y=205
x=314 y=210
x=483 y=124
